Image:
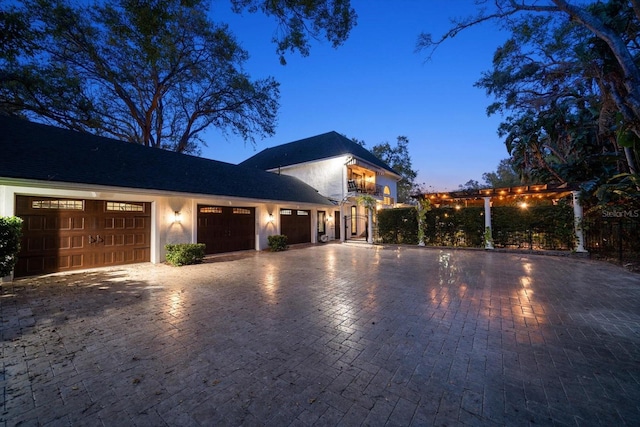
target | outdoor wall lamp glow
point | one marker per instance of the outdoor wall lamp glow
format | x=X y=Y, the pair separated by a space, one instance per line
x=270 y=220
x=176 y=217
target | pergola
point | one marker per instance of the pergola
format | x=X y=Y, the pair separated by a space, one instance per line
x=501 y=196
x=521 y=195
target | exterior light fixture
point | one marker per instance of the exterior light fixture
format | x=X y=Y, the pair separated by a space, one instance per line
x=523 y=205
x=270 y=218
x=176 y=217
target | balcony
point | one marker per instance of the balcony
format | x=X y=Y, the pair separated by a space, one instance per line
x=364 y=187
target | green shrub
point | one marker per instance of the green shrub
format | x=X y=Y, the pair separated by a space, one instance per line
x=185 y=253
x=277 y=242
x=10 y=235
x=543 y=226
x=398 y=226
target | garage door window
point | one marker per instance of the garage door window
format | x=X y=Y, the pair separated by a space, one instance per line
x=211 y=209
x=76 y=205
x=124 y=207
x=241 y=211
x=285 y=212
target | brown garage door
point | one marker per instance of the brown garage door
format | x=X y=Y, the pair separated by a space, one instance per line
x=226 y=229
x=296 y=225
x=70 y=234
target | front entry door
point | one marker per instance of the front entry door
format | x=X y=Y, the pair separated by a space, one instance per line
x=322 y=229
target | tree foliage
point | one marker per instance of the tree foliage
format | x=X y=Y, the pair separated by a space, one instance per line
x=300 y=20
x=547 y=79
x=570 y=88
x=399 y=159
x=471 y=185
x=505 y=175
x=157 y=72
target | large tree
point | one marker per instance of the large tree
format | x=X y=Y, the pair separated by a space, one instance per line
x=505 y=175
x=399 y=159
x=614 y=23
x=157 y=72
x=570 y=87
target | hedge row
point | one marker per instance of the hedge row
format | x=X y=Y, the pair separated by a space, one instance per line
x=549 y=227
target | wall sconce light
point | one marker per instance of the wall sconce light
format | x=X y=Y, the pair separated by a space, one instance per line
x=271 y=218
x=176 y=217
x=329 y=218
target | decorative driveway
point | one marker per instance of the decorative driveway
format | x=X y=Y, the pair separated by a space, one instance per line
x=326 y=335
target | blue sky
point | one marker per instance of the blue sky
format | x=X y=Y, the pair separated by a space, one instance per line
x=375 y=87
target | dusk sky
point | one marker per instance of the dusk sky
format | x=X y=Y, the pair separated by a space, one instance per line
x=375 y=87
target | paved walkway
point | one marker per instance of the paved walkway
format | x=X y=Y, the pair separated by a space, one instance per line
x=326 y=335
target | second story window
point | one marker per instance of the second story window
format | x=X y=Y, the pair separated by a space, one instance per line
x=387 y=196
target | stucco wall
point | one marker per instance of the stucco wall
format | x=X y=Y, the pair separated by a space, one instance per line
x=164 y=227
x=391 y=183
x=326 y=176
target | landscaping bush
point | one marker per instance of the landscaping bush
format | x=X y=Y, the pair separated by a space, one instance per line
x=185 y=253
x=398 y=226
x=447 y=226
x=548 y=227
x=10 y=235
x=277 y=242
x=543 y=226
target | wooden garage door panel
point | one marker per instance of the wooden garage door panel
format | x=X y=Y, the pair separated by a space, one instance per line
x=130 y=239
x=34 y=223
x=64 y=234
x=296 y=225
x=226 y=229
x=70 y=242
x=37 y=265
x=51 y=243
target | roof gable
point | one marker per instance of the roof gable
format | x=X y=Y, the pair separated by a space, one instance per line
x=324 y=146
x=35 y=151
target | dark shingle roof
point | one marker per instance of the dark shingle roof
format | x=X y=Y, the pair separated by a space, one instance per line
x=35 y=151
x=325 y=146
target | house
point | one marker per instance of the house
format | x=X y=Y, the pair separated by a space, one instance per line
x=340 y=170
x=89 y=201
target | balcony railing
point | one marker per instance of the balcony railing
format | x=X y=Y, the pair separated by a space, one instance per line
x=361 y=186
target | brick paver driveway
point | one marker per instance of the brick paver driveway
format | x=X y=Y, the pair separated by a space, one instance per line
x=326 y=335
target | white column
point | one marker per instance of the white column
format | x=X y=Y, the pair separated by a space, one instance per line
x=577 y=222
x=370 y=225
x=488 y=236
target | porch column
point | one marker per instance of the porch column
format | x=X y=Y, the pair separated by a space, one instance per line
x=488 y=237
x=577 y=222
x=370 y=226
